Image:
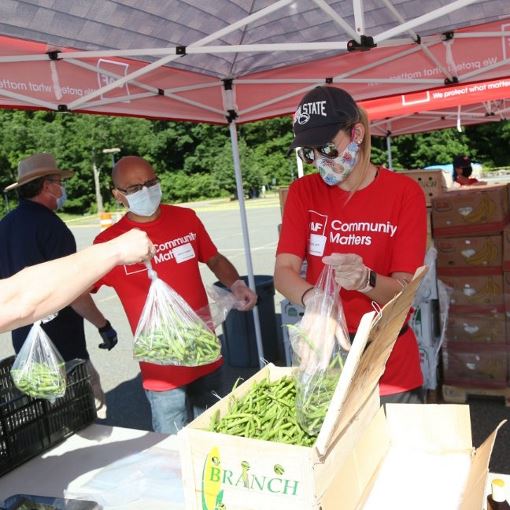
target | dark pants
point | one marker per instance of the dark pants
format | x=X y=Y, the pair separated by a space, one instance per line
x=202 y=392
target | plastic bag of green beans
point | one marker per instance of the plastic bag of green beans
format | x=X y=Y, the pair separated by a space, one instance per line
x=169 y=332
x=39 y=370
x=320 y=344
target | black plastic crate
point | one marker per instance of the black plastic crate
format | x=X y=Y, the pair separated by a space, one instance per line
x=29 y=426
x=28 y=501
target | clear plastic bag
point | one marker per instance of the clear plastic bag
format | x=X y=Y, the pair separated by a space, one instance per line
x=320 y=344
x=39 y=370
x=221 y=301
x=169 y=332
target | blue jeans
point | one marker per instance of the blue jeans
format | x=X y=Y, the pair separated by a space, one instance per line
x=171 y=410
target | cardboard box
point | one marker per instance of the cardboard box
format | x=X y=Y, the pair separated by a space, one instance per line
x=339 y=470
x=475 y=291
x=432 y=182
x=506 y=293
x=430 y=240
x=487 y=327
x=310 y=472
x=477 y=210
x=475 y=365
x=469 y=255
x=506 y=248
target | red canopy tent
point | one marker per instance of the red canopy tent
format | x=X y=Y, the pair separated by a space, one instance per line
x=232 y=61
x=439 y=108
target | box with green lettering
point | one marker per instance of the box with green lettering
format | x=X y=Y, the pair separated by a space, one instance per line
x=357 y=442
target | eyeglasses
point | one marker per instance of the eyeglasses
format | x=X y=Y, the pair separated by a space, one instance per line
x=307 y=154
x=138 y=187
x=56 y=181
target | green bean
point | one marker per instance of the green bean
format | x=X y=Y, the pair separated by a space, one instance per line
x=314 y=395
x=267 y=411
x=40 y=380
x=177 y=343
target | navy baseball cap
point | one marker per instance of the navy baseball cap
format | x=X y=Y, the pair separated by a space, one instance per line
x=321 y=114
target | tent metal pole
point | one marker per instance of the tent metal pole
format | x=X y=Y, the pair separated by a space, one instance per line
x=299 y=164
x=169 y=58
x=388 y=148
x=425 y=18
x=246 y=239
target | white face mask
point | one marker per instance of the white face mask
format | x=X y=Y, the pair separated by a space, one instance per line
x=146 y=201
x=334 y=171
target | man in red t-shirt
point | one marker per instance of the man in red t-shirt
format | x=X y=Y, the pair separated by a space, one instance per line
x=181 y=242
x=367 y=222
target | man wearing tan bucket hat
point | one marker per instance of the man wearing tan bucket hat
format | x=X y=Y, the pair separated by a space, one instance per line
x=32 y=233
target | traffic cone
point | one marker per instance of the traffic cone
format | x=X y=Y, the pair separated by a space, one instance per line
x=105 y=220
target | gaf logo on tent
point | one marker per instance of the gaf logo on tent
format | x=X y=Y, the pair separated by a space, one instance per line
x=416 y=98
x=108 y=72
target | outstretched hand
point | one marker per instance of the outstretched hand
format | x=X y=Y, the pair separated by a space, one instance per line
x=246 y=298
x=133 y=246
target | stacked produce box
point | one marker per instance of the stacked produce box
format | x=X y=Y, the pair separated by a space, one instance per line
x=433 y=184
x=468 y=226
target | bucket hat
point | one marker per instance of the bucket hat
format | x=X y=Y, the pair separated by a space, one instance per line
x=37 y=165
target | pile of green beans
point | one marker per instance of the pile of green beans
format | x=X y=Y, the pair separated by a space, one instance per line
x=267 y=412
x=314 y=394
x=41 y=380
x=178 y=344
x=313 y=400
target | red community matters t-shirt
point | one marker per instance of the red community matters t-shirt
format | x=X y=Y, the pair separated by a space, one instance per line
x=181 y=242
x=384 y=223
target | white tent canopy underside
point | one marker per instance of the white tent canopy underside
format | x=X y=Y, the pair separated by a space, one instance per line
x=174 y=59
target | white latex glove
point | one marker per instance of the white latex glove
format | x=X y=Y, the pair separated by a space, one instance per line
x=350 y=272
x=245 y=297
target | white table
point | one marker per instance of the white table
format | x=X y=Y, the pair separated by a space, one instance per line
x=83 y=457
x=72 y=465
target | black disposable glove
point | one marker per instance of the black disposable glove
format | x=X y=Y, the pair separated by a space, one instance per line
x=109 y=336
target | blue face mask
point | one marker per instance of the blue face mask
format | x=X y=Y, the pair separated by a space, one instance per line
x=146 y=201
x=62 y=198
x=334 y=171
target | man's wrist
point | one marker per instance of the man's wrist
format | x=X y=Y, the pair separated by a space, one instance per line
x=105 y=327
x=238 y=283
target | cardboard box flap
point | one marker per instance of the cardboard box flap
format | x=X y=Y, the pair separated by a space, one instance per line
x=358 y=382
x=414 y=427
x=474 y=493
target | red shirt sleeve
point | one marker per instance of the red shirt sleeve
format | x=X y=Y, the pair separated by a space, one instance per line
x=411 y=237
x=294 y=229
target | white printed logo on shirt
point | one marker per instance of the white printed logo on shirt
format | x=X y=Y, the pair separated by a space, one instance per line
x=317 y=239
